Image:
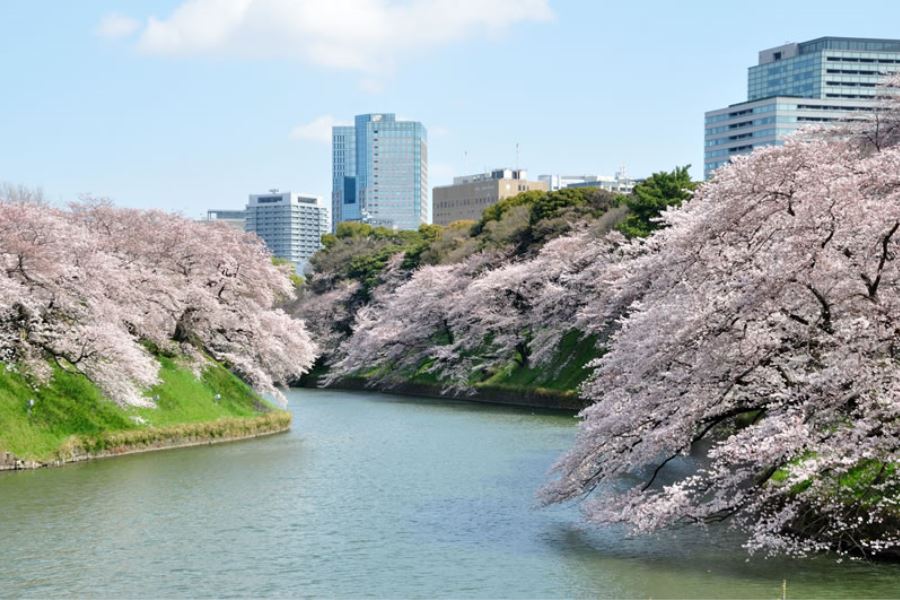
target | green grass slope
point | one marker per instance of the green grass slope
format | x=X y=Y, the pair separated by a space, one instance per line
x=563 y=374
x=72 y=407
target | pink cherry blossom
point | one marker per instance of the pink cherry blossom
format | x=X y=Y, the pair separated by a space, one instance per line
x=93 y=287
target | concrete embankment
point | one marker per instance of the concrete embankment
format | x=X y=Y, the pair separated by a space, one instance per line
x=121 y=443
x=536 y=398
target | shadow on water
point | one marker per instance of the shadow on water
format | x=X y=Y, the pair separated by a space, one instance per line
x=691 y=561
x=459 y=403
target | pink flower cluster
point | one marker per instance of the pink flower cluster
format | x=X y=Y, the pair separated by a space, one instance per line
x=94 y=287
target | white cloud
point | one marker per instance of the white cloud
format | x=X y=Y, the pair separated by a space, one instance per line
x=115 y=26
x=370 y=36
x=317 y=130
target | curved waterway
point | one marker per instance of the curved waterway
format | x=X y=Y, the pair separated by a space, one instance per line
x=368 y=495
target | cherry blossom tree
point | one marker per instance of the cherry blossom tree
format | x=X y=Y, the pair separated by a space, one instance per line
x=759 y=329
x=520 y=310
x=93 y=287
x=466 y=320
x=329 y=314
x=404 y=329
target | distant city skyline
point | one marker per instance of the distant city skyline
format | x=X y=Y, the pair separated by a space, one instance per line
x=193 y=104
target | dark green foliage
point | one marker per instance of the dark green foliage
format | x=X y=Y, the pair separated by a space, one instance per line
x=523 y=223
x=496 y=212
x=564 y=373
x=428 y=234
x=451 y=244
x=652 y=196
x=360 y=252
x=555 y=212
x=590 y=201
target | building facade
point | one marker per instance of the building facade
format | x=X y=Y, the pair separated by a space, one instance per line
x=234 y=218
x=820 y=81
x=290 y=224
x=344 y=206
x=619 y=183
x=468 y=196
x=380 y=172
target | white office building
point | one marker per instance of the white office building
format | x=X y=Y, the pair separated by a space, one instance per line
x=290 y=224
x=619 y=183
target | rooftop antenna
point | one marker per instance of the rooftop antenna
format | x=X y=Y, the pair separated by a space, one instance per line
x=273 y=190
x=517 y=156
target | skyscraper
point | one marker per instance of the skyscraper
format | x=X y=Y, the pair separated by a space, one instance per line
x=820 y=81
x=290 y=224
x=380 y=172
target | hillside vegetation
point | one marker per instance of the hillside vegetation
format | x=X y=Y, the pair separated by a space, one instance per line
x=361 y=267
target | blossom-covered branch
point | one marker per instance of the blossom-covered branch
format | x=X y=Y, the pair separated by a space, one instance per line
x=95 y=287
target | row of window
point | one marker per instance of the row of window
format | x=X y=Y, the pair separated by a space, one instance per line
x=851 y=59
x=745 y=124
x=850 y=96
x=765 y=108
x=828 y=107
x=856 y=72
x=850 y=84
x=743 y=136
x=728 y=151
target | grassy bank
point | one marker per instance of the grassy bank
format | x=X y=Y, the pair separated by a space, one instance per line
x=562 y=374
x=70 y=415
x=552 y=385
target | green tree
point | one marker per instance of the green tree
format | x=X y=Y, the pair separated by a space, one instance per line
x=652 y=196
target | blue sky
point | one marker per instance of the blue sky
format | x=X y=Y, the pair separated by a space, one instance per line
x=193 y=104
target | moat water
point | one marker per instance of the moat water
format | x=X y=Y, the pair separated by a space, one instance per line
x=369 y=495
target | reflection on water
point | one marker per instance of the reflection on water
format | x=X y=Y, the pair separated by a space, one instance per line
x=369 y=495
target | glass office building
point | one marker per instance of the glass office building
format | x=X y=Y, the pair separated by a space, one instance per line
x=343 y=176
x=380 y=172
x=820 y=81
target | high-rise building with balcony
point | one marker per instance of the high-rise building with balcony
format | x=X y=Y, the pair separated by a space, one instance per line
x=380 y=172
x=290 y=224
x=820 y=81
